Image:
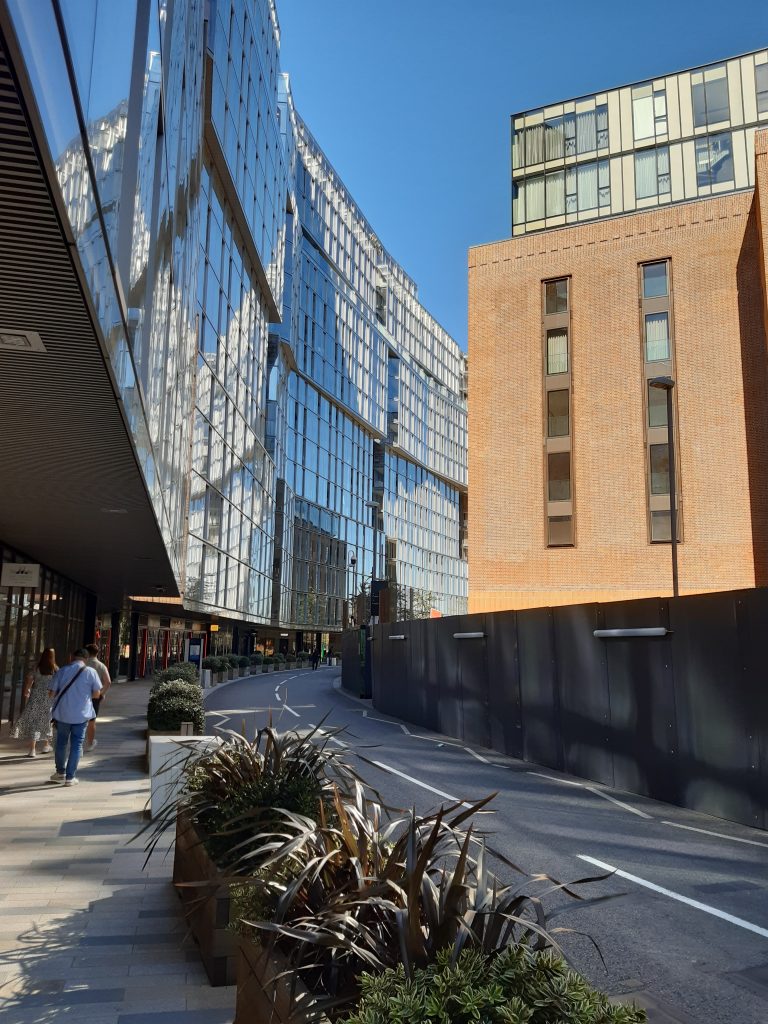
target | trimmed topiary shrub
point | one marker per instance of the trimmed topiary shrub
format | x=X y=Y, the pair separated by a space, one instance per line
x=515 y=986
x=257 y=658
x=177 y=686
x=279 y=658
x=231 y=660
x=182 y=670
x=174 y=702
x=243 y=661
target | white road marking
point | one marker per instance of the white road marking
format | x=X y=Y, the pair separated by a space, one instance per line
x=597 y=792
x=739 y=921
x=294 y=713
x=718 y=835
x=416 y=782
x=479 y=757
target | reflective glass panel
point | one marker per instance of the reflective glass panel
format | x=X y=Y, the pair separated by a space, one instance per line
x=655 y=279
x=761 y=86
x=560 y=531
x=659 y=469
x=557 y=414
x=656 y=337
x=559 y=476
x=661 y=527
x=557 y=296
x=557 y=351
x=657 y=407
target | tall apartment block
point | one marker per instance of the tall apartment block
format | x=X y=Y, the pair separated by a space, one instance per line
x=224 y=406
x=639 y=250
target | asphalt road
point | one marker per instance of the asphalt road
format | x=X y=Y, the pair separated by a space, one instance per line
x=688 y=939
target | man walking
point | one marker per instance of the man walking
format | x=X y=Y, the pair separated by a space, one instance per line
x=102 y=672
x=315 y=659
x=73 y=689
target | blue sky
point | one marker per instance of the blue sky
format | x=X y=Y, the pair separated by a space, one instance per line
x=411 y=101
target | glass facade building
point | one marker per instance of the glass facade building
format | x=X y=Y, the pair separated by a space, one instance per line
x=671 y=139
x=296 y=416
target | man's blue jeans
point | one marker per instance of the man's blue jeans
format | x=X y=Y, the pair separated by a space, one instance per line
x=72 y=735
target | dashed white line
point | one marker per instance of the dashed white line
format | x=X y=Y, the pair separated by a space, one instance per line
x=718 y=835
x=730 y=918
x=416 y=782
x=596 y=792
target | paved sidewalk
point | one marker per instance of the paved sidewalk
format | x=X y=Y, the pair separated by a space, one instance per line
x=82 y=927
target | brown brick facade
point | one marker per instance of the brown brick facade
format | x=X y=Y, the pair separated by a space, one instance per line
x=719 y=260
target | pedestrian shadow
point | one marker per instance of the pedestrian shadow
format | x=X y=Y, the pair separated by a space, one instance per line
x=77 y=960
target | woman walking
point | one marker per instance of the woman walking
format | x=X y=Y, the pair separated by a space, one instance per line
x=34 y=722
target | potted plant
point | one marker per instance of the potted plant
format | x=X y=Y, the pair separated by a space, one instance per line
x=232 y=665
x=233 y=796
x=397 y=898
x=243 y=662
x=256 y=660
x=266 y=664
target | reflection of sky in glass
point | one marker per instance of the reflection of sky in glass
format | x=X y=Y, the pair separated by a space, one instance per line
x=100 y=34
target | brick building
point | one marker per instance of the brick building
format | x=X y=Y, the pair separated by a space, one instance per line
x=639 y=250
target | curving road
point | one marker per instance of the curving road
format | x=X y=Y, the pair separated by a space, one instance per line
x=688 y=939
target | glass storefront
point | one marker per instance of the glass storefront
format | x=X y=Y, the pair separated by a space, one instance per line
x=52 y=614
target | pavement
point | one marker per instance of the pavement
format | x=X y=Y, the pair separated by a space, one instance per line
x=686 y=936
x=82 y=927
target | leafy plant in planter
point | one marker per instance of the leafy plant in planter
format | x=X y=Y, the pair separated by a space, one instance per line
x=243 y=791
x=363 y=895
x=232 y=660
x=256 y=659
x=182 y=670
x=166 y=712
x=515 y=986
x=243 y=661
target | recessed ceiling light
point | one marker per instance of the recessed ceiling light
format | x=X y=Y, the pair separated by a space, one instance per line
x=21 y=341
x=116 y=511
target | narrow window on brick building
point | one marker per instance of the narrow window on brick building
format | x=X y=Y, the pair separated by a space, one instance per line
x=557 y=419
x=556 y=296
x=560 y=531
x=557 y=414
x=661 y=527
x=557 y=351
x=656 y=337
x=657 y=407
x=659 y=468
x=559 y=476
x=655 y=280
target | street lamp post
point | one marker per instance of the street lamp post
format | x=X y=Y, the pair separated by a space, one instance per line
x=353 y=563
x=374 y=569
x=667 y=384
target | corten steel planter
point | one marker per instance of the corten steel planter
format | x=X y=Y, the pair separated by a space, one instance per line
x=207 y=907
x=265 y=986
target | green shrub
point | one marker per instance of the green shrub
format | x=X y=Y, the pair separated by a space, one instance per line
x=211 y=662
x=182 y=670
x=243 y=661
x=269 y=660
x=516 y=986
x=279 y=658
x=257 y=658
x=166 y=711
x=231 y=660
x=178 y=687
